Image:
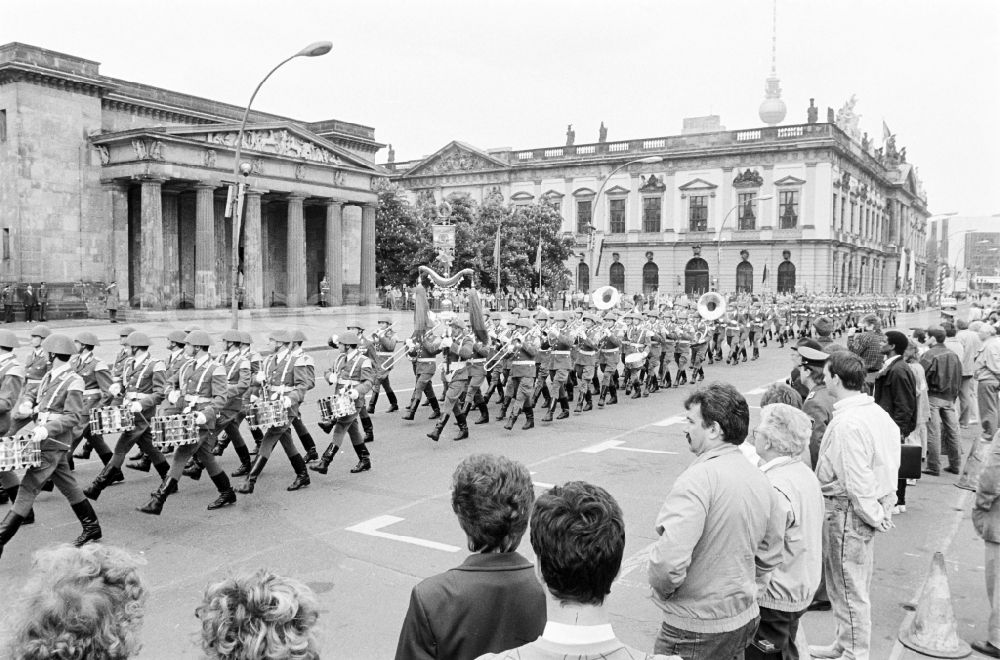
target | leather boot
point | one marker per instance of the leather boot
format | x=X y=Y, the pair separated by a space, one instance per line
x=136 y=455
x=756 y=353
x=365 y=462
x=484 y=411
x=463 y=427
x=8 y=528
x=579 y=402
x=563 y=408
x=550 y=410
x=509 y=425
x=326 y=425
x=529 y=421
x=324 y=463
x=48 y=486
x=83 y=452
x=588 y=402
x=88 y=519
x=244 y=468
x=435 y=407
x=502 y=415
x=393 y=407
x=193 y=469
x=12 y=494
x=101 y=481
x=613 y=395
x=371 y=404
x=301 y=474
x=436 y=433
x=411 y=410
x=220 y=446
x=155 y=505
x=143 y=464
x=258 y=466
x=666 y=379
x=162 y=468
x=636 y=389
x=226 y=494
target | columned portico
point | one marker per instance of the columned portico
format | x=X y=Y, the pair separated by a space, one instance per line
x=205 y=294
x=368 y=296
x=253 y=275
x=296 y=242
x=151 y=273
x=334 y=251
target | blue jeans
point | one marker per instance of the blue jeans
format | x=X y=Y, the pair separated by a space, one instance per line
x=942 y=434
x=849 y=562
x=705 y=646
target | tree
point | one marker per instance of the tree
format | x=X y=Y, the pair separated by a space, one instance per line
x=402 y=240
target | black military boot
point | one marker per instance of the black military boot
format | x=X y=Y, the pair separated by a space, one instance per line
x=588 y=401
x=484 y=410
x=550 y=411
x=143 y=464
x=220 y=446
x=436 y=433
x=636 y=387
x=364 y=459
x=371 y=404
x=514 y=413
x=12 y=494
x=435 y=407
x=101 y=481
x=258 y=466
x=756 y=353
x=682 y=377
x=502 y=415
x=226 y=496
x=367 y=427
x=463 y=427
x=193 y=469
x=666 y=379
x=8 y=528
x=83 y=453
x=301 y=473
x=326 y=425
x=136 y=455
x=324 y=462
x=155 y=505
x=411 y=410
x=88 y=520
x=563 y=408
x=602 y=396
x=612 y=394
x=529 y=419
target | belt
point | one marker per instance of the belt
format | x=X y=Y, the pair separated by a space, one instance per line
x=455 y=366
x=194 y=398
x=524 y=362
x=610 y=350
x=561 y=352
x=586 y=352
x=96 y=390
x=478 y=360
x=282 y=389
x=348 y=381
x=426 y=359
x=34 y=381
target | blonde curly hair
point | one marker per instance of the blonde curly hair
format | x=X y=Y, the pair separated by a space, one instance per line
x=80 y=603
x=259 y=616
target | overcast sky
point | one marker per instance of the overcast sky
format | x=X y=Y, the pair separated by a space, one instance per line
x=515 y=73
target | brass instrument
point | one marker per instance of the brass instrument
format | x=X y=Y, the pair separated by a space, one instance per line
x=507 y=349
x=378 y=333
x=711 y=306
x=606 y=297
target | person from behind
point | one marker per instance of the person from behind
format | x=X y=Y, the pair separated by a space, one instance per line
x=258 y=615
x=578 y=535
x=83 y=602
x=492 y=601
x=943 y=369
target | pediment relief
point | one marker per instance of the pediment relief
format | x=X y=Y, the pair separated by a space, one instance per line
x=617 y=191
x=652 y=184
x=790 y=181
x=553 y=194
x=456 y=158
x=698 y=184
x=281 y=142
x=522 y=197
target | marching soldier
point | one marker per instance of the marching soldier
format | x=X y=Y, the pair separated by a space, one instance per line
x=521 y=383
x=668 y=341
x=456 y=379
x=285 y=378
x=500 y=368
x=236 y=367
x=142 y=390
x=352 y=375
x=200 y=388
x=652 y=366
x=96 y=393
x=733 y=338
x=11 y=383
x=682 y=349
x=121 y=358
x=699 y=349
x=305 y=437
x=543 y=361
x=423 y=352
x=7 y=299
x=481 y=353
x=635 y=342
x=560 y=345
x=757 y=331
x=610 y=346
x=250 y=396
x=586 y=363
x=35 y=368
x=58 y=401
x=385 y=348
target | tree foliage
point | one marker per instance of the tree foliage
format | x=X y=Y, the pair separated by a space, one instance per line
x=402 y=239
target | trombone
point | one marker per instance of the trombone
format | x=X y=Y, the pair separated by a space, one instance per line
x=507 y=349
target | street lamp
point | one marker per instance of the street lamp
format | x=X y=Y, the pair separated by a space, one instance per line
x=718 y=239
x=648 y=160
x=314 y=49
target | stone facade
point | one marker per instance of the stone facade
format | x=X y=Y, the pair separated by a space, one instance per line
x=841 y=217
x=103 y=179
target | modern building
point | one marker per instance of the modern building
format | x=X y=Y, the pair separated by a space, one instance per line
x=106 y=180
x=806 y=207
x=970 y=248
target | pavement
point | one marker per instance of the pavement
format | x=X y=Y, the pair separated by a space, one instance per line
x=362 y=541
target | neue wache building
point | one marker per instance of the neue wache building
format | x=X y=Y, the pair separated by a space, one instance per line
x=106 y=180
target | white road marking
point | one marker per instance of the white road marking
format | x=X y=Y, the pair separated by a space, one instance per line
x=616 y=444
x=373 y=528
x=670 y=421
x=541 y=484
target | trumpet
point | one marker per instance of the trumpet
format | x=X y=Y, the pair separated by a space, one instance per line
x=382 y=331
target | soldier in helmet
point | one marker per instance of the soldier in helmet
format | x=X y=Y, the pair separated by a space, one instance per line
x=560 y=343
x=385 y=348
x=371 y=352
x=238 y=374
x=305 y=437
x=35 y=367
x=422 y=351
x=11 y=383
x=610 y=347
x=96 y=377
x=58 y=402
x=521 y=384
x=142 y=390
x=455 y=376
x=543 y=361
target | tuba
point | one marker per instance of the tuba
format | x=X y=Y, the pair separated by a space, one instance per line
x=711 y=306
x=606 y=297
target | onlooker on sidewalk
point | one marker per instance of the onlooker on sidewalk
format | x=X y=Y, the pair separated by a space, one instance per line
x=111 y=292
x=43 y=302
x=492 y=601
x=969 y=339
x=30 y=302
x=988 y=380
x=857 y=471
x=7 y=299
x=720 y=536
x=868 y=345
x=896 y=393
x=781 y=438
x=919 y=435
x=986 y=519
x=578 y=535
x=943 y=369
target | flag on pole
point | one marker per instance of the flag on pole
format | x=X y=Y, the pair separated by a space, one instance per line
x=496 y=258
x=538 y=257
x=764 y=279
x=886 y=133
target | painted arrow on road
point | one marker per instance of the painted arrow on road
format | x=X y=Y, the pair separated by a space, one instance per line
x=374 y=526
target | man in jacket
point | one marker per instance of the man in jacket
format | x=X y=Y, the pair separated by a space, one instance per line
x=986 y=519
x=818 y=403
x=944 y=379
x=30 y=302
x=896 y=393
x=969 y=339
x=868 y=346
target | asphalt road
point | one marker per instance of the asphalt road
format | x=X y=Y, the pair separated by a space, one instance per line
x=362 y=541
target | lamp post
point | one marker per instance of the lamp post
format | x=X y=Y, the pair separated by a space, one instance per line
x=314 y=49
x=718 y=240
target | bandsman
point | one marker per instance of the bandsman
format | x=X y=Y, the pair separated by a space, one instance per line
x=560 y=344
x=351 y=375
x=521 y=384
x=385 y=348
x=458 y=349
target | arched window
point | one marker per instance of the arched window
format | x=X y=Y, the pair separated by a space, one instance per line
x=696 y=276
x=786 y=277
x=617 y=274
x=744 y=277
x=583 y=277
x=650 y=278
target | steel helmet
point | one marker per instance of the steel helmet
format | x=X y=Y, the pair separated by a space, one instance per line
x=58 y=344
x=8 y=339
x=138 y=339
x=42 y=331
x=177 y=336
x=87 y=338
x=232 y=335
x=190 y=329
x=297 y=335
x=125 y=331
x=245 y=337
x=281 y=336
x=349 y=338
x=198 y=338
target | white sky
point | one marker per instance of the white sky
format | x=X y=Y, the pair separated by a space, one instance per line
x=515 y=73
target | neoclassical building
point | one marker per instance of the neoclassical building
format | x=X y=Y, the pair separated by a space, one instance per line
x=804 y=207
x=108 y=180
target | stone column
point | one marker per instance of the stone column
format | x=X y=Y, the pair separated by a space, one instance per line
x=171 y=251
x=295 y=296
x=368 y=296
x=253 y=258
x=119 y=236
x=205 y=294
x=151 y=276
x=335 y=251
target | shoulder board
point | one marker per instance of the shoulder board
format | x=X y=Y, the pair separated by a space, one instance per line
x=100 y=365
x=159 y=366
x=74 y=382
x=17 y=370
x=304 y=361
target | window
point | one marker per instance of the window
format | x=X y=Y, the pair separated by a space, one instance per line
x=834 y=216
x=583 y=215
x=651 y=214
x=843 y=207
x=789 y=202
x=854 y=213
x=786 y=277
x=6 y=243
x=747 y=210
x=650 y=278
x=583 y=278
x=696 y=276
x=744 y=277
x=617 y=210
x=698 y=213
x=3 y=125
x=617 y=274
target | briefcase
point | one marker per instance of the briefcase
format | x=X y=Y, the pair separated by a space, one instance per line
x=909 y=461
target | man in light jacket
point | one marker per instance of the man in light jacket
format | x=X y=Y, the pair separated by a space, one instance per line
x=781 y=438
x=720 y=536
x=944 y=379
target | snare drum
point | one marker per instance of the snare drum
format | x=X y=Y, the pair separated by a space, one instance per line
x=19 y=452
x=265 y=414
x=636 y=360
x=174 y=430
x=111 y=419
x=332 y=408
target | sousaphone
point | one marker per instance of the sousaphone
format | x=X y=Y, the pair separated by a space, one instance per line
x=606 y=297
x=711 y=306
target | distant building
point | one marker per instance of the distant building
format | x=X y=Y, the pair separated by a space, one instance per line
x=103 y=179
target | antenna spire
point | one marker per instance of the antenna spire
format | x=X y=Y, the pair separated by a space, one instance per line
x=774 y=35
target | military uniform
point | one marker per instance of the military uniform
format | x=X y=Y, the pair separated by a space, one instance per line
x=96 y=377
x=35 y=367
x=239 y=374
x=477 y=375
x=423 y=352
x=610 y=347
x=521 y=383
x=351 y=373
x=585 y=364
x=385 y=348
x=455 y=378
x=560 y=344
x=11 y=383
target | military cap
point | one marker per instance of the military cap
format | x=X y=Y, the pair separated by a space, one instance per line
x=525 y=323
x=457 y=323
x=125 y=331
x=177 y=336
x=281 y=335
x=58 y=344
x=8 y=339
x=40 y=330
x=232 y=335
x=87 y=338
x=140 y=339
x=350 y=338
x=198 y=338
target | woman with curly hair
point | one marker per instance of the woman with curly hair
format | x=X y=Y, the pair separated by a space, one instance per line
x=80 y=603
x=261 y=616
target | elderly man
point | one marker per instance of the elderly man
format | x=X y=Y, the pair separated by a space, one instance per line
x=857 y=471
x=896 y=393
x=868 y=346
x=781 y=438
x=720 y=536
x=969 y=339
x=943 y=369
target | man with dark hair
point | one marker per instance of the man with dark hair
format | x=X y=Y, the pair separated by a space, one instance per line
x=943 y=369
x=857 y=471
x=868 y=345
x=492 y=601
x=720 y=536
x=920 y=339
x=578 y=535
x=896 y=393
